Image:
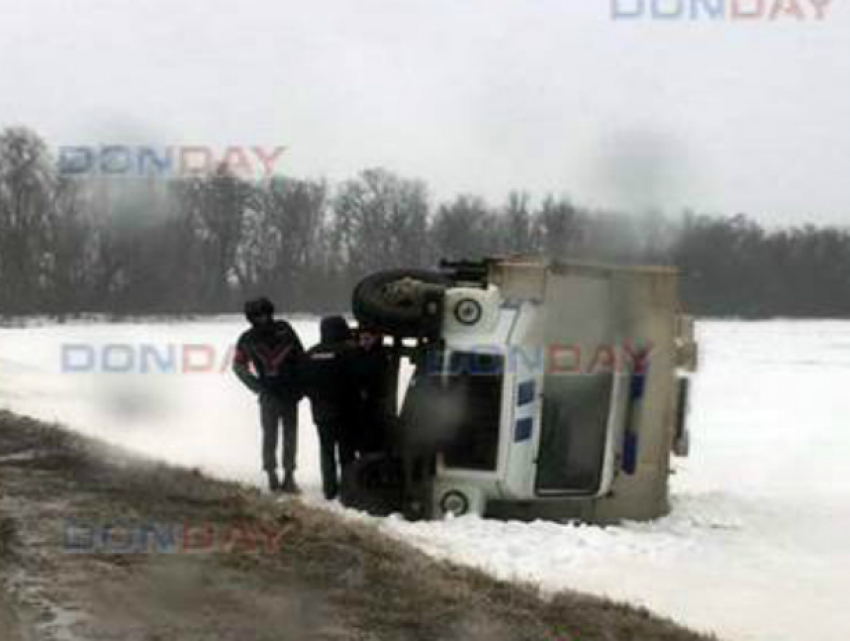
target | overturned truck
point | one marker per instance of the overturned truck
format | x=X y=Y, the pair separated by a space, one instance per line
x=536 y=389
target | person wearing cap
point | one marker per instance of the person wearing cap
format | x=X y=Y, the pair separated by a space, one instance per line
x=265 y=360
x=328 y=382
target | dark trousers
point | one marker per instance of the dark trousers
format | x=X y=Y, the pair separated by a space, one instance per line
x=372 y=429
x=331 y=439
x=275 y=410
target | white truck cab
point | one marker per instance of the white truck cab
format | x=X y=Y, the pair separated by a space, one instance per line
x=553 y=390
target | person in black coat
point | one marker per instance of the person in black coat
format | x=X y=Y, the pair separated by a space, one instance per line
x=375 y=378
x=266 y=361
x=328 y=381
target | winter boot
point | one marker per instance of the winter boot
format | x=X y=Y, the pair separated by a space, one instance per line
x=274 y=482
x=289 y=486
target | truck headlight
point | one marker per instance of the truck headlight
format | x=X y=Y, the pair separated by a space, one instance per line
x=454 y=503
x=468 y=311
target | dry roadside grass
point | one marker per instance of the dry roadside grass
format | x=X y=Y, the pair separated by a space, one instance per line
x=330 y=579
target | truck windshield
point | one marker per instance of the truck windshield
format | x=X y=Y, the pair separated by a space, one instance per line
x=475 y=380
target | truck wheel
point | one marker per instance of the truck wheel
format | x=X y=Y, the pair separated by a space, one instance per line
x=401 y=302
x=374 y=484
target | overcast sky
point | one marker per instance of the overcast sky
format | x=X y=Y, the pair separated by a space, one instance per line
x=471 y=96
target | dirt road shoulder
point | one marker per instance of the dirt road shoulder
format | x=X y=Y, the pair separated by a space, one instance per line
x=98 y=544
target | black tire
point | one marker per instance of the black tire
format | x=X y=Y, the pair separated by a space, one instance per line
x=374 y=484
x=401 y=302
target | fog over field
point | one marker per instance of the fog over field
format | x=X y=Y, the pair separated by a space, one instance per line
x=481 y=96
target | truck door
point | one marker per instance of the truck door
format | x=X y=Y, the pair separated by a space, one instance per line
x=574 y=434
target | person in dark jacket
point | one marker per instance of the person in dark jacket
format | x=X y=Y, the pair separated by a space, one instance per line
x=327 y=380
x=266 y=359
x=375 y=378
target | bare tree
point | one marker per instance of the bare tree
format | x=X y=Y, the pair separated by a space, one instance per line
x=285 y=239
x=71 y=240
x=27 y=180
x=516 y=225
x=381 y=220
x=217 y=206
x=465 y=228
x=558 y=228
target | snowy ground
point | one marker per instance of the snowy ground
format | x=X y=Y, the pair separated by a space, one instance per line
x=756 y=546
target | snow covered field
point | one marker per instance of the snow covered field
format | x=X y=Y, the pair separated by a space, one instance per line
x=757 y=546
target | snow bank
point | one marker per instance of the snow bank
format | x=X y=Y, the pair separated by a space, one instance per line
x=755 y=548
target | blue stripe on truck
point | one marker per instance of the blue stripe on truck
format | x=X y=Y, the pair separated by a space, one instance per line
x=523 y=429
x=525 y=394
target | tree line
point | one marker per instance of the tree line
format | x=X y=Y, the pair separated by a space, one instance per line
x=202 y=244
